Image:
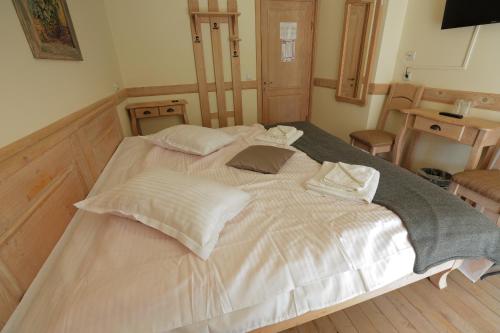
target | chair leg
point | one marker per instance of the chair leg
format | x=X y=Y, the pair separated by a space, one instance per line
x=352 y=141
x=373 y=151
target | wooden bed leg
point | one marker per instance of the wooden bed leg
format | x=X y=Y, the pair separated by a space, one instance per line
x=439 y=279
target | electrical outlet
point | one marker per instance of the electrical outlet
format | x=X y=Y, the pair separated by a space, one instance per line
x=411 y=56
x=408 y=75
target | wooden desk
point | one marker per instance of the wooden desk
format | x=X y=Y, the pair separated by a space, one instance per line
x=475 y=132
x=168 y=108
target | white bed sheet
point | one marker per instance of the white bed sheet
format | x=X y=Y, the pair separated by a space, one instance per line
x=288 y=253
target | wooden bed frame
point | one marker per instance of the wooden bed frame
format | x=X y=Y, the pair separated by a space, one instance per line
x=437 y=275
x=41 y=177
x=45 y=173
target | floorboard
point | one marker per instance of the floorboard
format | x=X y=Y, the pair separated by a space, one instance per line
x=463 y=307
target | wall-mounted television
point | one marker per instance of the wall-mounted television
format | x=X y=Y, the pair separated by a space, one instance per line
x=465 y=13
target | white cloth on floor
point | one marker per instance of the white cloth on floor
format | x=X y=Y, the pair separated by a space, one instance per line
x=317 y=185
x=349 y=177
x=281 y=135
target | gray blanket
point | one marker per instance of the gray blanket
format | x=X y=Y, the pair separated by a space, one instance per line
x=441 y=227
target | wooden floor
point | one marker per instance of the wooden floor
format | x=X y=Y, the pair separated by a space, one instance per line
x=420 y=307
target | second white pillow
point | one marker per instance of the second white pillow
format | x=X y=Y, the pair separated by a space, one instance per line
x=191 y=139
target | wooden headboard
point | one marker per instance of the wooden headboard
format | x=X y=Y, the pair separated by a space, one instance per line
x=41 y=177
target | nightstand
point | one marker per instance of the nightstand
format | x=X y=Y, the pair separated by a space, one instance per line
x=156 y=109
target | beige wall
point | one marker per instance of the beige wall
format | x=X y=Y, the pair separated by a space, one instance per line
x=422 y=33
x=34 y=92
x=155 y=48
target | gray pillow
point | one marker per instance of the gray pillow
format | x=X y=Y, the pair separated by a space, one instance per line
x=263 y=159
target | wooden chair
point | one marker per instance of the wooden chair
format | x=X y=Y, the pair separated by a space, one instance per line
x=481 y=187
x=401 y=96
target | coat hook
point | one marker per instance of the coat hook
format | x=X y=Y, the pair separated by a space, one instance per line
x=216 y=26
x=196 y=39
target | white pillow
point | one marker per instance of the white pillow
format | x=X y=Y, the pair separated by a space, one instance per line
x=190 y=209
x=191 y=139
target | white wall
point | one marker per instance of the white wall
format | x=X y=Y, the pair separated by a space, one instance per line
x=35 y=92
x=422 y=33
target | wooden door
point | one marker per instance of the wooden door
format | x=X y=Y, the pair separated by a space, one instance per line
x=286 y=59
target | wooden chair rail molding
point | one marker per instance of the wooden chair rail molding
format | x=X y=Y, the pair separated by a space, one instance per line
x=487 y=101
x=182 y=89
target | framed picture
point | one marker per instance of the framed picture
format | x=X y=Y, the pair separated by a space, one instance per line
x=48 y=28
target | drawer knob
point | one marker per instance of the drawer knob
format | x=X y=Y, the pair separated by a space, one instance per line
x=147 y=112
x=436 y=127
x=170 y=110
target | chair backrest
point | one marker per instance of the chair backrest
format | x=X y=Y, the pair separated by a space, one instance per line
x=401 y=96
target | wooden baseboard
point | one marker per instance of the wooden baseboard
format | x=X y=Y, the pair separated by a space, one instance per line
x=481 y=100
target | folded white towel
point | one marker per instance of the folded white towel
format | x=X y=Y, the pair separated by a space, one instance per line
x=280 y=141
x=349 y=177
x=317 y=185
x=289 y=131
x=281 y=131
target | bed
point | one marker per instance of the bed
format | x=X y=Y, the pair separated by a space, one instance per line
x=290 y=257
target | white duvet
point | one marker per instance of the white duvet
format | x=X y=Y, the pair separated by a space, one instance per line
x=287 y=253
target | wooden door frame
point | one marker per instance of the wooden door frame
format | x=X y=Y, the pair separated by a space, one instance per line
x=258 y=41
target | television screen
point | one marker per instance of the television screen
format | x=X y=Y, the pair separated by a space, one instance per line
x=464 y=13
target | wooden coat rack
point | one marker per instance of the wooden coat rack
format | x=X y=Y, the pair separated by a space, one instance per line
x=215 y=18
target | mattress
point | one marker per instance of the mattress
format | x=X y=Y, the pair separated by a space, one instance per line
x=289 y=252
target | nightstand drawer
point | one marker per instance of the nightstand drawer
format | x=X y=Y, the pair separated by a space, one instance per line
x=170 y=109
x=146 y=112
x=454 y=132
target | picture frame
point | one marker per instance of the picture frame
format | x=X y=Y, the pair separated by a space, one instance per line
x=49 y=29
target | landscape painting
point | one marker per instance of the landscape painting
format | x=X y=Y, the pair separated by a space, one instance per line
x=48 y=28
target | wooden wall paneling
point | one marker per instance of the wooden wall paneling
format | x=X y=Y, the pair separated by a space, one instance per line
x=41 y=177
x=325 y=83
x=10 y=294
x=213 y=6
x=235 y=62
x=183 y=89
x=199 y=64
x=373 y=88
x=486 y=101
x=99 y=139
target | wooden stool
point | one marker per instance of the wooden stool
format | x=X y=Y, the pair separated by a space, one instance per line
x=401 y=96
